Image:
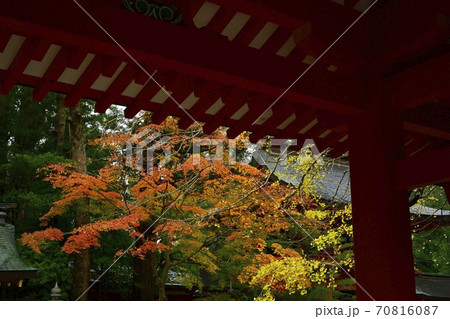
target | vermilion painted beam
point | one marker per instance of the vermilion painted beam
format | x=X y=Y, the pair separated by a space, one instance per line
x=322 y=23
x=18 y=65
x=418 y=142
x=85 y=81
x=326 y=21
x=316 y=130
x=181 y=87
x=277 y=40
x=41 y=50
x=220 y=20
x=116 y=88
x=286 y=109
x=345 y=62
x=421 y=84
x=249 y=31
x=424 y=169
x=261 y=12
x=303 y=118
x=172 y=47
x=233 y=102
x=246 y=121
x=189 y=9
x=208 y=95
x=256 y=104
x=292 y=14
x=413 y=127
x=331 y=140
x=351 y=3
x=434 y=144
x=417 y=30
x=429 y=30
x=111 y=65
x=5 y=36
x=339 y=149
x=142 y=100
x=52 y=74
x=76 y=56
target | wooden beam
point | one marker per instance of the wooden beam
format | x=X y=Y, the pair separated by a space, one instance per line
x=18 y=65
x=271 y=124
x=5 y=36
x=146 y=94
x=413 y=127
x=92 y=72
x=52 y=74
x=421 y=84
x=424 y=169
x=233 y=102
x=249 y=31
x=429 y=30
x=172 y=47
x=262 y=12
x=339 y=149
x=116 y=88
x=246 y=121
x=324 y=20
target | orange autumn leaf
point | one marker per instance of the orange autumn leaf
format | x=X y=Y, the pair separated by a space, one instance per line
x=38 y=238
x=148 y=246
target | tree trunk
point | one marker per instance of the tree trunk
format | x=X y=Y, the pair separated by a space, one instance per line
x=146 y=272
x=76 y=139
x=4 y=132
x=163 y=280
x=145 y=277
x=82 y=263
x=61 y=115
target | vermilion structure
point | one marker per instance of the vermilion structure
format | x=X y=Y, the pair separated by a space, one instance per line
x=381 y=92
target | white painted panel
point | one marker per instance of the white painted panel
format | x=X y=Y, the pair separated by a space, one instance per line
x=71 y=76
x=216 y=107
x=263 y=35
x=265 y=117
x=103 y=82
x=189 y=102
x=325 y=134
x=38 y=68
x=287 y=48
x=288 y=121
x=309 y=126
x=161 y=96
x=205 y=14
x=9 y=53
x=309 y=59
x=235 y=25
x=362 y=5
x=240 y=113
x=133 y=89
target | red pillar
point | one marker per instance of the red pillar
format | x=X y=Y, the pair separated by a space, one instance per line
x=382 y=236
x=447 y=191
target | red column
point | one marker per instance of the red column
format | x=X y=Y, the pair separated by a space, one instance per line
x=447 y=191
x=382 y=236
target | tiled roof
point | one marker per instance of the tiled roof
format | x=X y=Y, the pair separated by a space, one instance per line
x=10 y=260
x=436 y=286
x=335 y=185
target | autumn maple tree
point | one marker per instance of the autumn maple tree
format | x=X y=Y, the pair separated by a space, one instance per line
x=184 y=210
